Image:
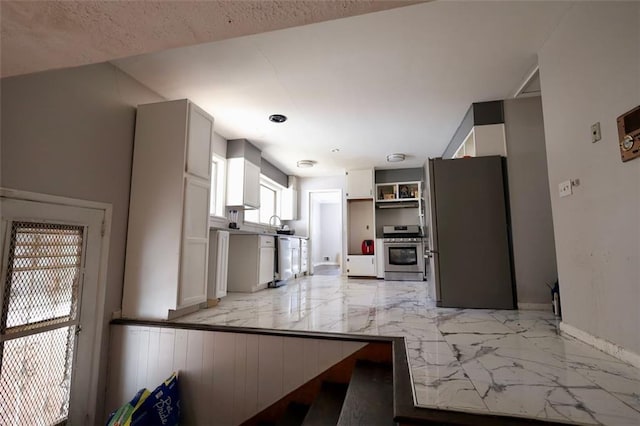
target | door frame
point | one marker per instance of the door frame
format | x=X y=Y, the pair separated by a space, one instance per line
x=310 y=224
x=92 y=414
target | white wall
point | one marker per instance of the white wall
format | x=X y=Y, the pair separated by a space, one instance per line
x=531 y=222
x=224 y=378
x=590 y=72
x=70 y=133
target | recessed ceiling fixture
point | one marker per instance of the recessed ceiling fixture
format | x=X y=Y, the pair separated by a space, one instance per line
x=395 y=158
x=305 y=164
x=335 y=150
x=278 y=118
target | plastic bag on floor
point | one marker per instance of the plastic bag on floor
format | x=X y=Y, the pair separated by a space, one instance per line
x=123 y=415
x=160 y=407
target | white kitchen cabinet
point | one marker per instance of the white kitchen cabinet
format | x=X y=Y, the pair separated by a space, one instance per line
x=218 y=264
x=251 y=262
x=359 y=183
x=168 y=235
x=243 y=183
x=379 y=253
x=484 y=140
x=267 y=260
x=289 y=207
x=304 y=256
x=361 y=265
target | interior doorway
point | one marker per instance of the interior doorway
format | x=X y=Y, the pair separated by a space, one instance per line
x=325 y=232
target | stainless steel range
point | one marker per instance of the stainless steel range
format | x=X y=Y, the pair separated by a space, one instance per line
x=403 y=253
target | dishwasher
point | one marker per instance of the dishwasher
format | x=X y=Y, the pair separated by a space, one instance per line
x=284 y=256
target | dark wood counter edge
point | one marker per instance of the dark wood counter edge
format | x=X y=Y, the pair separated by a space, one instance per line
x=251 y=330
x=405 y=412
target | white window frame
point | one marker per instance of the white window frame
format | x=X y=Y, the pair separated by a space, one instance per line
x=218 y=187
x=274 y=186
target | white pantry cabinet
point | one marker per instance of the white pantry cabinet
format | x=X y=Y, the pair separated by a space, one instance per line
x=168 y=233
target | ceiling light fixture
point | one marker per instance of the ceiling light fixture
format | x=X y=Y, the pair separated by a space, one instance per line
x=335 y=150
x=278 y=118
x=395 y=158
x=305 y=164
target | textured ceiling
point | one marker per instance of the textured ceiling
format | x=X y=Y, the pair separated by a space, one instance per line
x=41 y=35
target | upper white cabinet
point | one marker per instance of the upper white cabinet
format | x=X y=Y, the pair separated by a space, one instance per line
x=398 y=191
x=243 y=183
x=482 y=141
x=168 y=234
x=289 y=206
x=359 y=183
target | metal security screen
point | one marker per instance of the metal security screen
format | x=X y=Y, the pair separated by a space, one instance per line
x=39 y=321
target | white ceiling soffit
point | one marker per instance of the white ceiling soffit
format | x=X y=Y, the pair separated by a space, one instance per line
x=371 y=85
x=41 y=35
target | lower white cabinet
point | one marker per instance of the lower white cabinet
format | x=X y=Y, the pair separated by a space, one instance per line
x=251 y=262
x=379 y=251
x=361 y=265
x=304 y=257
x=218 y=264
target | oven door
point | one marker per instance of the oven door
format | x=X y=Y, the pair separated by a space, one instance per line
x=403 y=257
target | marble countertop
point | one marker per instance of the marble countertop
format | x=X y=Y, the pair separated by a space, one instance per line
x=254 y=232
x=488 y=361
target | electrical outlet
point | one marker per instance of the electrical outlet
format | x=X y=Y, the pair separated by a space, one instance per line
x=595 y=132
x=564 y=188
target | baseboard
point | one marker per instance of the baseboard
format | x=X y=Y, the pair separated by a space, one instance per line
x=173 y=314
x=610 y=348
x=535 y=306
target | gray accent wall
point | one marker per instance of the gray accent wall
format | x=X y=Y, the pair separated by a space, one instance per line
x=534 y=254
x=273 y=173
x=70 y=133
x=399 y=175
x=243 y=148
x=219 y=144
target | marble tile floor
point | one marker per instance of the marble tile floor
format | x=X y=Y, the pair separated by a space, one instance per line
x=498 y=361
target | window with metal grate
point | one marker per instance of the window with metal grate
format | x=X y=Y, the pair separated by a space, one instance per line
x=39 y=320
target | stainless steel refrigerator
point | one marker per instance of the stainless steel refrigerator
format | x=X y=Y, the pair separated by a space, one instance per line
x=470 y=233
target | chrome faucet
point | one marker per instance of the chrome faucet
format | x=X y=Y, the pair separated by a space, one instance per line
x=279 y=222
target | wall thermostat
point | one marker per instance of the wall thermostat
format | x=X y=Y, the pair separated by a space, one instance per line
x=629 y=134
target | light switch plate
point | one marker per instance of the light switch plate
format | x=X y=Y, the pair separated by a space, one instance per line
x=564 y=188
x=595 y=132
